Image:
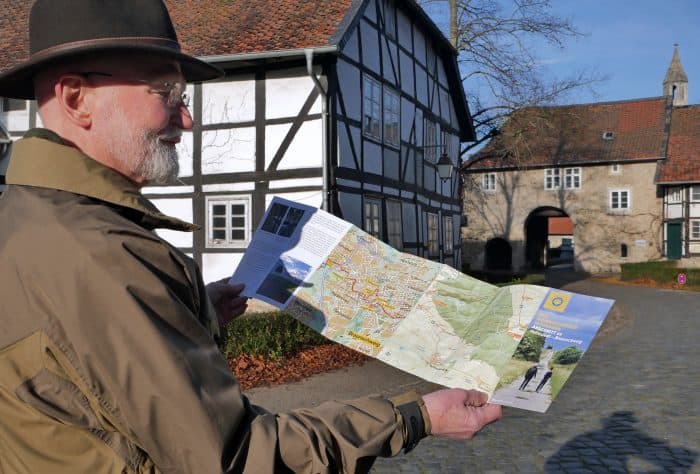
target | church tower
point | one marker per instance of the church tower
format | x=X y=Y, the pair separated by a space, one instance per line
x=676 y=81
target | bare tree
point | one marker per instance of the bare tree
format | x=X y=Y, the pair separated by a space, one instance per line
x=494 y=39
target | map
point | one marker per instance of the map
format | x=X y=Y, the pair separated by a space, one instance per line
x=415 y=314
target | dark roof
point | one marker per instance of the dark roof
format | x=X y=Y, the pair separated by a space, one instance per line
x=211 y=28
x=574 y=134
x=682 y=164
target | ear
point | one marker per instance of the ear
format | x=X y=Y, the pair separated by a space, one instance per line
x=72 y=93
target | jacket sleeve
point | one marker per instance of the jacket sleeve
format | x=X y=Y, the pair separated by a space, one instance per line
x=132 y=315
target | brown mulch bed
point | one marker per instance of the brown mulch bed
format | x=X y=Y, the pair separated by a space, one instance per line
x=255 y=371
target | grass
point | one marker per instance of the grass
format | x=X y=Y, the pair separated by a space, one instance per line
x=560 y=374
x=272 y=334
x=516 y=368
x=664 y=273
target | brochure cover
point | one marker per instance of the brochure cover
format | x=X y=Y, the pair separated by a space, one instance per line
x=420 y=316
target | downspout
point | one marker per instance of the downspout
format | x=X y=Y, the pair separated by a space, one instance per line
x=324 y=124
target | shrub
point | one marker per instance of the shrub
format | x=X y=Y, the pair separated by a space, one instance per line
x=273 y=334
x=567 y=356
x=530 y=347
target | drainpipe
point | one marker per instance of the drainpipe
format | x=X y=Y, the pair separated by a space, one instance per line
x=324 y=125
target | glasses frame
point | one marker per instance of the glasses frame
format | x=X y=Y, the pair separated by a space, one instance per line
x=173 y=92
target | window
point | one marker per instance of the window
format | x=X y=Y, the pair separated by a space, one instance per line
x=488 y=182
x=608 y=135
x=394 y=229
x=13 y=105
x=431 y=144
x=674 y=195
x=619 y=199
x=695 y=193
x=389 y=19
x=433 y=236
x=391 y=117
x=373 y=217
x=615 y=168
x=228 y=221
x=572 y=178
x=552 y=180
x=695 y=229
x=372 y=114
x=623 y=250
x=448 y=244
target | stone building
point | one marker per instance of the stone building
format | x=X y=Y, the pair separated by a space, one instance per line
x=626 y=174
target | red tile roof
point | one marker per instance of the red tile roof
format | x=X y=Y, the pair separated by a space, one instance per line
x=214 y=27
x=682 y=164
x=573 y=134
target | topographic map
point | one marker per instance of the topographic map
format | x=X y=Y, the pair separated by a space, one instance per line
x=415 y=314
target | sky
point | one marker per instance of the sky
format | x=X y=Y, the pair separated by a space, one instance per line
x=628 y=41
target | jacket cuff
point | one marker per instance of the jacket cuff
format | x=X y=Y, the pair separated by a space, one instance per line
x=416 y=421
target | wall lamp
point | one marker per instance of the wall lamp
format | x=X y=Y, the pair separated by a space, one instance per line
x=444 y=163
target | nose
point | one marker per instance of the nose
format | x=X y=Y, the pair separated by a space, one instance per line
x=182 y=118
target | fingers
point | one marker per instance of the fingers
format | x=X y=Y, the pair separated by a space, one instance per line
x=456 y=413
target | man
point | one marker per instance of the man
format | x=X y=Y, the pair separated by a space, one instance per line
x=108 y=360
x=529 y=375
x=546 y=377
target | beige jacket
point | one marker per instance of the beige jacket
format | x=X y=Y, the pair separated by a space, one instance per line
x=107 y=360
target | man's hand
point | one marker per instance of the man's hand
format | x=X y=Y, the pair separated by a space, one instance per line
x=460 y=414
x=227 y=300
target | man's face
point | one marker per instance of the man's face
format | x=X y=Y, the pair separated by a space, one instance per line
x=137 y=121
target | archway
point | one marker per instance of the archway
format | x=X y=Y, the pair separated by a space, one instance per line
x=499 y=254
x=549 y=239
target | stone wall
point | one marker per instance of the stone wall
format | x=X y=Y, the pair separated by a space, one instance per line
x=599 y=232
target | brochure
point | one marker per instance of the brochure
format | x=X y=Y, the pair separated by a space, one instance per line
x=518 y=343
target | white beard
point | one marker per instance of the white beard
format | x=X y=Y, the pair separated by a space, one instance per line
x=142 y=153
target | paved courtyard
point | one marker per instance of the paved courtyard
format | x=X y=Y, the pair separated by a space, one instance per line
x=630 y=406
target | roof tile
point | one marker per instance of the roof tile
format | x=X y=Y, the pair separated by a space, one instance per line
x=573 y=134
x=212 y=27
x=683 y=159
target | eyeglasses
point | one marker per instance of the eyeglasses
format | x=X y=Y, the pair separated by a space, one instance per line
x=173 y=92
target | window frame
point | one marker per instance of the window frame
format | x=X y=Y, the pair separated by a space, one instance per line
x=369 y=219
x=674 y=195
x=695 y=229
x=694 y=195
x=448 y=238
x=489 y=182
x=372 y=100
x=394 y=223
x=433 y=234
x=391 y=110
x=430 y=141
x=572 y=178
x=619 y=192
x=229 y=241
x=552 y=179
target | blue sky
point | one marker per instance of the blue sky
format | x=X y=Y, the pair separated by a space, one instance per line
x=629 y=41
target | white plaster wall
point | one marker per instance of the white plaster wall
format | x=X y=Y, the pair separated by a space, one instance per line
x=306 y=148
x=285 y=95
x=182 y=209
x=228 y=151
x=228 y=102
x=216 y=266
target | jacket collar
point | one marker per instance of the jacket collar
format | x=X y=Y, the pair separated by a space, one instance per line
x=43 y=159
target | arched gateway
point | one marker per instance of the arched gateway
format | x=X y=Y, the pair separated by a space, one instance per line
x=549 y=238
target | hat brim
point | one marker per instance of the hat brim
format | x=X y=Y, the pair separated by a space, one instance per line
x=18 y=82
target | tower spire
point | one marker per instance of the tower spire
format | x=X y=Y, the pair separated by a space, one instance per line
x=676 y=81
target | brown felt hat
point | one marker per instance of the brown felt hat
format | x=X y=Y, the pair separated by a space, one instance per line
x=60 y=29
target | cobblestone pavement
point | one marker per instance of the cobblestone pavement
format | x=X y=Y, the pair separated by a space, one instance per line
x=631 y=405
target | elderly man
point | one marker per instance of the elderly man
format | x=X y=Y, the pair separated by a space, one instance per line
x=108 y=359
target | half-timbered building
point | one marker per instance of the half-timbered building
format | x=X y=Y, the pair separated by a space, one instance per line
x=345 y=105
